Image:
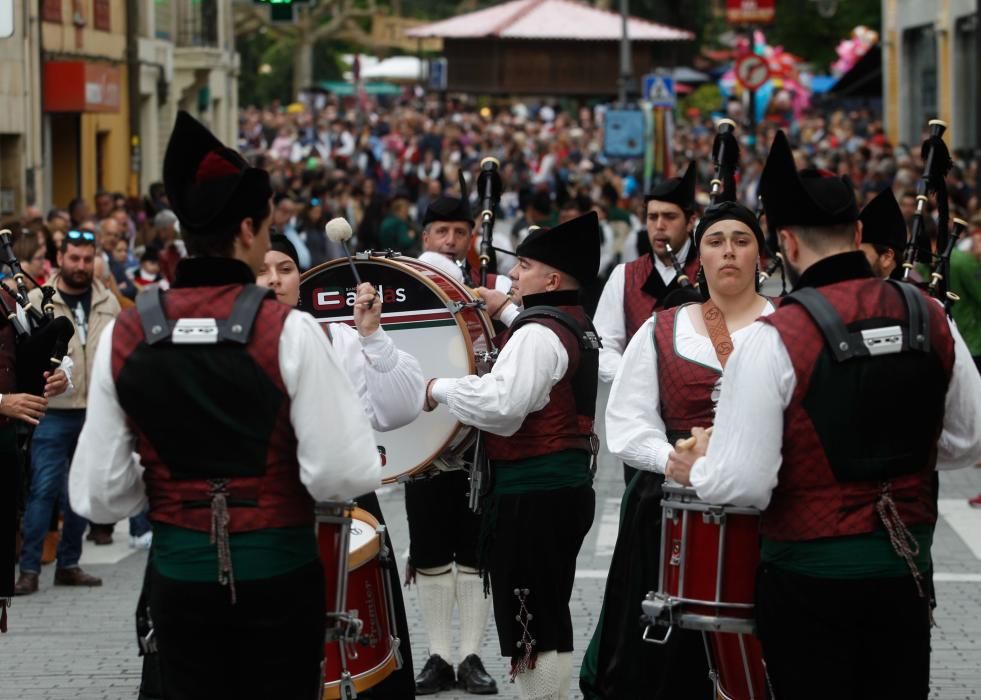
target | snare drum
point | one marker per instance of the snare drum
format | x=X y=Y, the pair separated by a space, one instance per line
x=430 y=316
x=360 y=650
x=709 y=555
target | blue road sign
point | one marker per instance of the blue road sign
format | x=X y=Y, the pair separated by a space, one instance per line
x=659 y=90
x=623 y=133
x=437 y=74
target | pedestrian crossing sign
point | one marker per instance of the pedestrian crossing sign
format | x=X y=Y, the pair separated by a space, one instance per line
x=659 y=90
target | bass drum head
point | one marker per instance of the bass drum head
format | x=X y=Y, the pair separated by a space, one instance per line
x=415 y=313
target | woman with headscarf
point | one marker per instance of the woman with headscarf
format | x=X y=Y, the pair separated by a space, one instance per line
x=389 y=383
x=668 y=382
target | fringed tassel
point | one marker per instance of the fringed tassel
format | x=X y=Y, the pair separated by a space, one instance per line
x=219 y=533
x=902 y=540
x=485 y=540
x=4 y=602
x=410 y=575
x=526 y=657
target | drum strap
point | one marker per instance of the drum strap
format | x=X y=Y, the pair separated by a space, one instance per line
x=718 y=331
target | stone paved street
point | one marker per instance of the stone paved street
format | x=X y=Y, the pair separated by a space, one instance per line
x=78 y=644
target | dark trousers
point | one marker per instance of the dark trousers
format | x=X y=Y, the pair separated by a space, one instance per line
x=442 y=528
x=629 y=473
x=270 y=644
x=843 y=639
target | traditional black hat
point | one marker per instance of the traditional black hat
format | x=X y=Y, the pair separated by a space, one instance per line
x=676 y=190
x=282 y=244
x=883 y=222
x=572 y=247
x=210 y=186
x=810 y=197
x=451 y=208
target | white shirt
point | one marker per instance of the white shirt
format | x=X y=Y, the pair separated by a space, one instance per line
x=744 y=454
x=609 y=320
x=335 y=446
x=388 y=380
x=531 y=363
x=635 y=431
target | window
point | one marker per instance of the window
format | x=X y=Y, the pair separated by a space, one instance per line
x=51 y=11
x=101 y=19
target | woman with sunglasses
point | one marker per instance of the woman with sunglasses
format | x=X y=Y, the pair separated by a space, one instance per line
x=669 y=381
x=389 y=383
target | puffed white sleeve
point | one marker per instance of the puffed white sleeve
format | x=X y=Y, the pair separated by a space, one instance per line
x=389 y=381
x=335 y=445
x=610 y=325
x=531 y=363
x=635 y=431
x=960 y=440
x=105 y=482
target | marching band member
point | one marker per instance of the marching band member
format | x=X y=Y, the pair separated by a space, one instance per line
x=443 y=531
x=536 y=407
x=389 y=383
x=806 y=432
x=669 y=381
x=235 y=443
x=638 y=288
x=884 y=235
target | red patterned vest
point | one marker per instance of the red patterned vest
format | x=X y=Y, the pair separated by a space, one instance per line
x=685 y=386
x=810 y=501
x=638 y=301
x=559 y=426
x=224 y=413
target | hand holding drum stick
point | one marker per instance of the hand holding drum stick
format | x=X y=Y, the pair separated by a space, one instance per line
x=683 y=457
x=339 y=231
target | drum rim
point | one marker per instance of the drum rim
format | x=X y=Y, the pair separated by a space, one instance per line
x=365 y=680
x=427 y=464
x=368 y=551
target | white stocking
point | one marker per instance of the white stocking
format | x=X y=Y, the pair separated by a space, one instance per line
x=544 y=681
x=436 y=591
x=474 y=608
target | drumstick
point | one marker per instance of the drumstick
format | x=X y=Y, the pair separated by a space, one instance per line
x=688 y=443
x=339 y=231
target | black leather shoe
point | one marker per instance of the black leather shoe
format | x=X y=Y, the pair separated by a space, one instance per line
x=473 y=678
x=435 y=676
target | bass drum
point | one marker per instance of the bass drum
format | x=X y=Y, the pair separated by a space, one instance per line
x=432 y=317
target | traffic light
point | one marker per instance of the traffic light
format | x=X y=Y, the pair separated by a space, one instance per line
x=281 y=10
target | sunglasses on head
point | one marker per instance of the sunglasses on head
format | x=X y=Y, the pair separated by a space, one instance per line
x=80 y=235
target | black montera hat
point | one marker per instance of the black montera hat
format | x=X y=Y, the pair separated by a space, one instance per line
x=883 y=222
x=810 y=197
x=572 y=247
x=450 y=208
x=210 y=186
x=676 y=190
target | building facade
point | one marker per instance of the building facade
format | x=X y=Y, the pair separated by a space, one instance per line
x=930 y=69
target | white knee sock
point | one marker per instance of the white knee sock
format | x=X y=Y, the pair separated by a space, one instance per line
x=474 y=608
x=545 y=680
x=437 y=594
x=565 y=674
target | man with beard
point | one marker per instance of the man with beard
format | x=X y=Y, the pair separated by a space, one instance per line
x=91 y=307
x=637 y=289
x=884 y=235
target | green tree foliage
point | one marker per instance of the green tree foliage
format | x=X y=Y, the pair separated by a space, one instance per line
x=803 y=32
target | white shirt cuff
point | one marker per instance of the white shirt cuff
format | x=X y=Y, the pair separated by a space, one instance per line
x=510 y=313
x=441 y=389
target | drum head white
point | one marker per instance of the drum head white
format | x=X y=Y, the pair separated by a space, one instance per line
x=416 y=316
x=362 y=535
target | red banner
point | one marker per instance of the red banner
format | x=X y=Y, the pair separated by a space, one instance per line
x=750 y=11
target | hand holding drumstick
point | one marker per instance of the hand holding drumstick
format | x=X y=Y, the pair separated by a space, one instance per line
x=684 y=455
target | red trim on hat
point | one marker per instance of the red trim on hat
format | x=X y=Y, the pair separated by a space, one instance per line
x=214 y=167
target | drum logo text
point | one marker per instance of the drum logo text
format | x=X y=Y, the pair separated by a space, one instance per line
x=333 y=298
